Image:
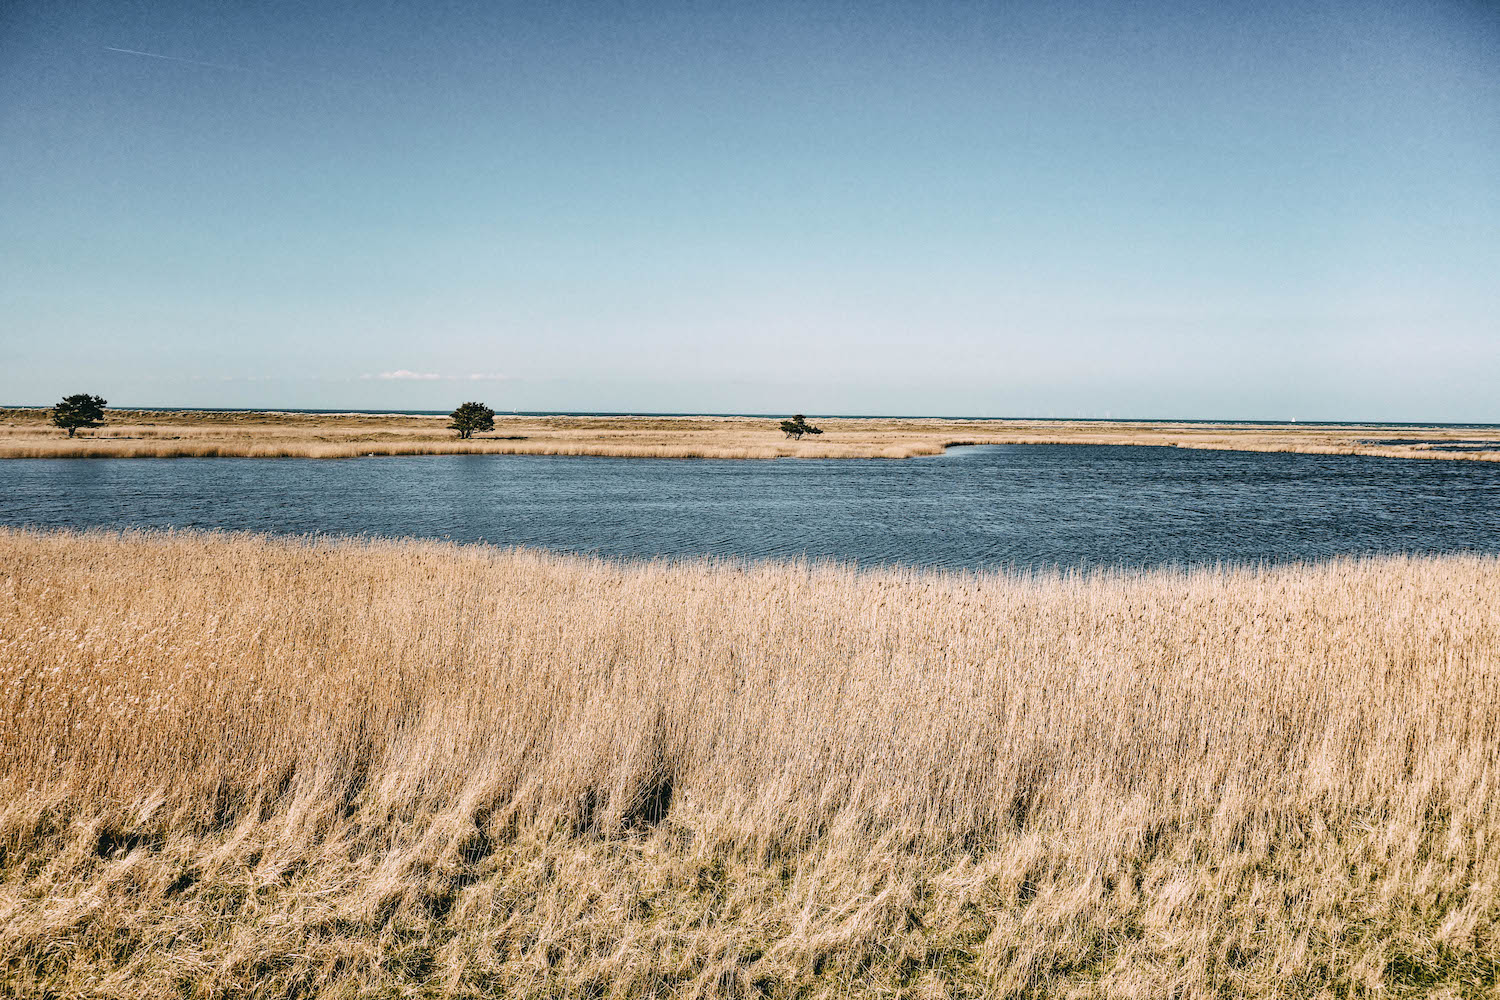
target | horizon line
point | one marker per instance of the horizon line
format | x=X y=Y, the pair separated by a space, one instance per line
x=771 y=415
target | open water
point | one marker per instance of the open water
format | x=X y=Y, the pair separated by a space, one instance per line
x=983 y=507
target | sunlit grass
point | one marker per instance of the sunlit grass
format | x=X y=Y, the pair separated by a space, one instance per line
x=409 y=769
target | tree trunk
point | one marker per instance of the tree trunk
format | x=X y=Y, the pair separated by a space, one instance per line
x=71 y=430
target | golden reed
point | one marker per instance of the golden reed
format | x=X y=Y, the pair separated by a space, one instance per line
x=236 y=766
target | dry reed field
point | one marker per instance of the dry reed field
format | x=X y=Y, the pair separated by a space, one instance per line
x=25 y=433
x=235 y=766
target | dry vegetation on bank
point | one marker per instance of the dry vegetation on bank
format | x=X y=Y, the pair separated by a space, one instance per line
x=25 y=433
x=233 y=766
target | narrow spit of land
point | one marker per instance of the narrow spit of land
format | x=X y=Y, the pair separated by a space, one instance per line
x=233 y=766
x=25 y=433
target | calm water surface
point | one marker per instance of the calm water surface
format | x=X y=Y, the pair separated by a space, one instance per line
x=1034 y=505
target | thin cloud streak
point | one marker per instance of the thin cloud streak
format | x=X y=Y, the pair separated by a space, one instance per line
x=404 y=375
x=177 y=59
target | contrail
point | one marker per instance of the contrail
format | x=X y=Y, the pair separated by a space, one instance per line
x=178 y=59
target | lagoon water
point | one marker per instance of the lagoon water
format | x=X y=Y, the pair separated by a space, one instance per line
x=984 y=507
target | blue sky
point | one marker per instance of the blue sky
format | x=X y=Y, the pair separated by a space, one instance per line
x=1150 y=210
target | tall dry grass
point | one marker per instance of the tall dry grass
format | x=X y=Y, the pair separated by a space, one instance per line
x=166 y=434
x=236 y=766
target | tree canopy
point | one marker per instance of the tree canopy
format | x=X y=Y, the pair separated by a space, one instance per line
x=471 y=417
x=798 y=426
x=79 y=410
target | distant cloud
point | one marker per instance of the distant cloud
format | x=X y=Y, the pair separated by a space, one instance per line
x=403 y=375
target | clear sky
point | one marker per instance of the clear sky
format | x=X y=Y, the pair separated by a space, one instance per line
x=1129 y=209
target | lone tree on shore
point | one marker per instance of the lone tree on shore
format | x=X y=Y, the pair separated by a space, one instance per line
x=471 y=417
x=798 y=426
x=80 y=410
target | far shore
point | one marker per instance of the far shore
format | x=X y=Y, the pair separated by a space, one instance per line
x=26 y=433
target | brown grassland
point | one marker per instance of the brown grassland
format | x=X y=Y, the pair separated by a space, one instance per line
x=234 y=766
x=25 y=433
